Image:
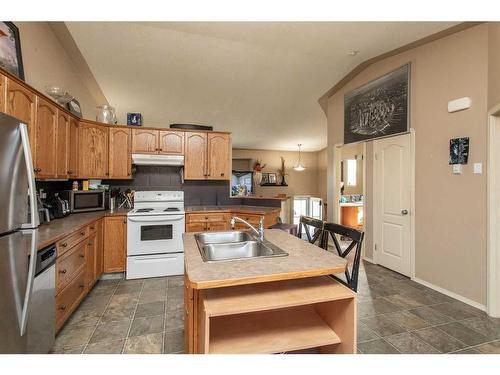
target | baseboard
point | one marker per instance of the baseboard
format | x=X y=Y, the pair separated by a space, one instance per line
x=112 y=276
x=369 y=260
x=470 y=302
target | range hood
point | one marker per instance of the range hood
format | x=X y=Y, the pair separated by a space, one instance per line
x=148 y=159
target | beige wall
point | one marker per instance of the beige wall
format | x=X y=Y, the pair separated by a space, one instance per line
x=450 y=217
x=322 y=174
x=494 y=64
x=299 y=183
x=46 y=62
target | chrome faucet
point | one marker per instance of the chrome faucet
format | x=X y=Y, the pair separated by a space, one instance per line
x=259 y=232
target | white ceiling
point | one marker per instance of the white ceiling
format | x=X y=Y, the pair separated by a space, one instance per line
x=259 y=80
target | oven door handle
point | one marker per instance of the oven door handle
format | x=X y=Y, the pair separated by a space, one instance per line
x=154 y=219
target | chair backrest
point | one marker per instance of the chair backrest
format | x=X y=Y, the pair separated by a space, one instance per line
x=308 y=223
x=356 y=238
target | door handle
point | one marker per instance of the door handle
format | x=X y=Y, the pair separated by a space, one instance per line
x=404 y=212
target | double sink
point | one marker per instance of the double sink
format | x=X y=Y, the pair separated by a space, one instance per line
x=219 y=246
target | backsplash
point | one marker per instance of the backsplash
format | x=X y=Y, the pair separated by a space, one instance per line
x=196 y=193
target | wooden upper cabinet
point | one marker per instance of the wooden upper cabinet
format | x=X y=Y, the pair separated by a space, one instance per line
x=3 y=92
x=62 y=145
x=46 y=139
x=21 y=103
x=120 y=159
x=218 y=156
x=171 y=142
x=73 y=148
x=195 y=160
x=145 y=141
x=92 y=151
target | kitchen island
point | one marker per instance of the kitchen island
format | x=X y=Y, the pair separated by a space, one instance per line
x=268 y=305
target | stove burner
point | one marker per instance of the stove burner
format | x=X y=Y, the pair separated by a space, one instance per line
x=144 y=210
x=171 y=209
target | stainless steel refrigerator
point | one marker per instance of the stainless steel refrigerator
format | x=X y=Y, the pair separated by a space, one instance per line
x=22 y=328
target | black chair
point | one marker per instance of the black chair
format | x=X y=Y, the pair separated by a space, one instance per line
x=356 y=238
x=308 y=223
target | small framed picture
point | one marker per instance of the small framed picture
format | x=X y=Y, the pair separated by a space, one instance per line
x=11 y=58
x=134 y=119
x=265 y=178
x=459 y=150
x=272 y=178
x=74 y=108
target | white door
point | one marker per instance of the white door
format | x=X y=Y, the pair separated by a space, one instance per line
x=392 y=201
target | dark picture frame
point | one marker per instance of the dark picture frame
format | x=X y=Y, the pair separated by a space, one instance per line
x=11 y=58
x=273 y=178
x=74 y=107
x=379 y=108
x=459 y=151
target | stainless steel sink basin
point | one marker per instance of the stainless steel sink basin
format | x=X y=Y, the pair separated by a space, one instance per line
x=220 y=246
x=223 y=237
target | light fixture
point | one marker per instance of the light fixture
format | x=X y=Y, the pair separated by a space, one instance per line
x=299 y=167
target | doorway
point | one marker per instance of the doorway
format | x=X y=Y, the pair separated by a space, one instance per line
x=493 y=284
x=393 y=203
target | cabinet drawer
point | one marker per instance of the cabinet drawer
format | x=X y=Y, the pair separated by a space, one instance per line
x=203 y=218
x=92 y=228
x=195 y=227
x=69 y=298
x=217 y=226
x=68 y=265
x=251 y=218
x=68 y=242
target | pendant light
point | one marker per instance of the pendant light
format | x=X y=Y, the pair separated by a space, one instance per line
x=299 y=167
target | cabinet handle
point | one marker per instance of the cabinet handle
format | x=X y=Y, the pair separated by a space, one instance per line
x=82 y=255
x=128 y=174
x=69 y=172
x=107 y=173
x=62 y=307
x=124 y=221
x=92 y=228
x=81 y=286
x=63 y=271
x=82 y=233
x=222 y=174
x=64 y=244
x=90 y=243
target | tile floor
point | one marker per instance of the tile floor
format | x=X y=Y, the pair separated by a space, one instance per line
x=395 y=315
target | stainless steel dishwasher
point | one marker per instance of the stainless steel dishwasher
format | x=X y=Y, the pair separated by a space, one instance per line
x=41 y=321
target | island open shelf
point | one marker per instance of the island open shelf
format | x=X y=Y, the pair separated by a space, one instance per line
x=278 y=317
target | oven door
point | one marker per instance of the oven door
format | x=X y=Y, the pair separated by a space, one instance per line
x=154 y=234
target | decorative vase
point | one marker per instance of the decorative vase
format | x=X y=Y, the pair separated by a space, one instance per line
x=257 y=178
x=283 y=182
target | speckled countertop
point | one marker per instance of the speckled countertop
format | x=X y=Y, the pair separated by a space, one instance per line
x=49 y=233
x=303 y=260
x=233 y=208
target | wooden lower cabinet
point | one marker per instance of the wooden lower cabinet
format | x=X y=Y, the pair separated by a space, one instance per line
x=220 y=221
x=68 y=299
x=115 y=243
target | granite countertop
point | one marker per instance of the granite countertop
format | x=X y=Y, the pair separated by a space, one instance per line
x=233 y=208
x=49 y=233
x=303 y=260
x=351 y=204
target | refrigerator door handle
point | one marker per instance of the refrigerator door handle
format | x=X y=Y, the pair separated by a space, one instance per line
x=35 y=221
x=29 y=284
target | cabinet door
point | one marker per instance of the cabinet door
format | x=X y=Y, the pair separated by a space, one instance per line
x=171 y=142
x=115 y=240
x=217 y=226
x=92 y=151
x=90 y=260
x=3 y=92
x=73 y=148
x=120 y=160
x=99 y=260
x=145 y=141
x=195 y=159
x=218 y=156
x=62 y=145
x=45 y=139
x=21 y=103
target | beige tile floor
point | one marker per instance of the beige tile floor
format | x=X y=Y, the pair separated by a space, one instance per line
x=395 y=315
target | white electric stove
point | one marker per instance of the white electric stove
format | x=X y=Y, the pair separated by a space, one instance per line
x=154 y=234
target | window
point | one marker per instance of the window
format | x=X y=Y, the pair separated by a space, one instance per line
x=352 y=170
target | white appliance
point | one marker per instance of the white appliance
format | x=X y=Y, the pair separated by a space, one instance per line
x=154 y=234
x=153 y=159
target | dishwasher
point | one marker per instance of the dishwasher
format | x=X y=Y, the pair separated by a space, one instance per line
x=41 y=319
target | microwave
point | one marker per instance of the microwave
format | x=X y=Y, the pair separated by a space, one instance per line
x=85 y=200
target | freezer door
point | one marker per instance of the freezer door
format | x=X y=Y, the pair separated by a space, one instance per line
x=14 y=175
x=17 y=269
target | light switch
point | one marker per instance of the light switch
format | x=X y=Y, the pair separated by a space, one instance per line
x=457 y=168
x=478 y=168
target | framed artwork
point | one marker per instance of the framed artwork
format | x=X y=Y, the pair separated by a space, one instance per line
x=272 y=178
x=74 y=107
x=11 y=58
x=134 y=119
x=459 y=150
x=378 y=108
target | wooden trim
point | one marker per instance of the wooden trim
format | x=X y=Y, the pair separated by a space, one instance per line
x=323 y=100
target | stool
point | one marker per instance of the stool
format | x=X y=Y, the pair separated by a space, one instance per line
x=290 y=228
